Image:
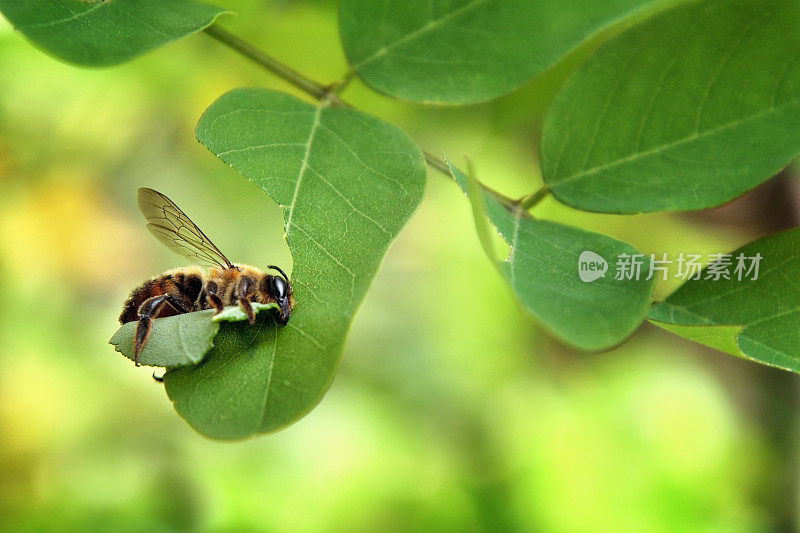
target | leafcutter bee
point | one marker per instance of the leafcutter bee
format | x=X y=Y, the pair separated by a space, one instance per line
x=192 y=288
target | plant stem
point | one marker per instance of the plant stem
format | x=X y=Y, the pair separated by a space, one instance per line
x=526 y=203
x=314 y=89
x=307 y=85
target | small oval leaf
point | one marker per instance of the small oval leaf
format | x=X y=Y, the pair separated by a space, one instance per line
x=100 y=33
x=565 y=276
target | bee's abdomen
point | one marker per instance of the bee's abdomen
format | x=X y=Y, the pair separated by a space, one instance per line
x=186 y=286
x=189 y=285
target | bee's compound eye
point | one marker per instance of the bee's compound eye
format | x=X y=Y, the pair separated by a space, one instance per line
x=279 y=287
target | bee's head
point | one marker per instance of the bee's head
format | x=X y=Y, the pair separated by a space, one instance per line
x=279 y=290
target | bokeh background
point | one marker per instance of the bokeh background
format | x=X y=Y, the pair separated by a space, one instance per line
x=451 y=409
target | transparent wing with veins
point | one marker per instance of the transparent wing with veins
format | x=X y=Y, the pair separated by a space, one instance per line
x=176 y=231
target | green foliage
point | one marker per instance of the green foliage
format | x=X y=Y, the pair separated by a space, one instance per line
x=174 y=341
x=180 y=340
x=687 y=110
x=755 y=319
x=98 y=33
x=543 y=272
x=347 y=183
x=463 y=51
x=684 y=110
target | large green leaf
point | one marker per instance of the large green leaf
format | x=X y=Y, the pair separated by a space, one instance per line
x=543 y=270
x=461 y=51
x=755 y=319
x=98 y=33
x=688 y=110
x=347 y=183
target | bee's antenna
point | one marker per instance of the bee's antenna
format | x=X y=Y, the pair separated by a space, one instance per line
x=285 y=277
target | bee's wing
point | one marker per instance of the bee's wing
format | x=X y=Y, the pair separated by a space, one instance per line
x=176 y=231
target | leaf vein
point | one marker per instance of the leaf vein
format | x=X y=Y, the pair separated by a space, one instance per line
x=303 y=167
x=348 y=202
x=257 y=147
x=430 y=26
x=75 y=16
x=673 y=144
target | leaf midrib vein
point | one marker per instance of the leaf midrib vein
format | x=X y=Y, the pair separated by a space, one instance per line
x=668 y=146
x=430 y=26
x=303 y=166
x=268 y=386
x=67 y=19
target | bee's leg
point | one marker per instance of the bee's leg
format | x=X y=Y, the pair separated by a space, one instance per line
x=244 y=303
x=147 y=311
x=211 y=295
x=242 y=292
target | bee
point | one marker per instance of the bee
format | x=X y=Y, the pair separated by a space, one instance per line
x=192 y=288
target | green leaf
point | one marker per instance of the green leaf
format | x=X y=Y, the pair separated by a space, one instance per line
x=688 y=110
x=463 y=51
x=234 y=313
x=174 y=341
x=99 y=33
x=755 y=319
x=543 y=271
x=347 y=183
x=179 y=340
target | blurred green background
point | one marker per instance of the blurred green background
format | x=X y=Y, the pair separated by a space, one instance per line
x=451 y=409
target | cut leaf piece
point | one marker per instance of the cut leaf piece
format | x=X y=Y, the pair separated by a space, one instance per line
x=758 y=319
x=179 y=340
x=99 y=33
x=347 y=183
x=566 y=276
x=462 y=51
x=174 y=341
x=234 y=313
x=688 y=110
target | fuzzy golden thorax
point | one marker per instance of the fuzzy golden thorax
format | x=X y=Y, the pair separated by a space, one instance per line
x=232 y=284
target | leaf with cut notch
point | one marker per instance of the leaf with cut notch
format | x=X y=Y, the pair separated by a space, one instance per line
x=543 y=271
x=347 y=183
x=756 y=319
x=688 y=110
x=462 y=51
x=100 y=33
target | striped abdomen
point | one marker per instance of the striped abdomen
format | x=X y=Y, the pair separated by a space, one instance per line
x=185 y=283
